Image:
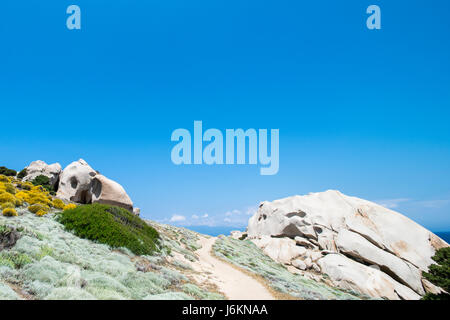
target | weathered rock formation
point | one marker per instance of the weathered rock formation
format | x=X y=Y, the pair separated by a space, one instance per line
x=351 y=275
x=80 y=183
x=37 y=168
x=359 y=244
x=75 y=182
x=104 y=190
x=238 y=235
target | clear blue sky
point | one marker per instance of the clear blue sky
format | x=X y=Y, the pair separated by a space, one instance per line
x=364 y=112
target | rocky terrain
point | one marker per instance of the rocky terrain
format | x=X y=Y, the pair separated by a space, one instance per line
x=79 y=183
x=75 y=234
x=47 y=262
x=41 y=259
x=355 y=244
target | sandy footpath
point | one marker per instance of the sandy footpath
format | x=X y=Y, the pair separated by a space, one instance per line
x=235 y=284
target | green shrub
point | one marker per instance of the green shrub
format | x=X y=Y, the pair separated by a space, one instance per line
x=8 y=172
x=14 y=259
x=43 y=181
x=22 y=174
x=45 y=251
x=439 y=274
x=110 y=225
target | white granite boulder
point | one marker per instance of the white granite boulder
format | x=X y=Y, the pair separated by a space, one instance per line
x=351 y=275
x=365 y=232
x=283 y=250
x=80 y=183
x=75 y=182
x=37 y=168
x=106 y=191
x=353 y=245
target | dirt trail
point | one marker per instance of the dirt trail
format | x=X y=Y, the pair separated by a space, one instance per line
x=235 y=284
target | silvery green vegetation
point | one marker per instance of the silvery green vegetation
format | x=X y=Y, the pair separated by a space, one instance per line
x=246 y=255
x=48 y=262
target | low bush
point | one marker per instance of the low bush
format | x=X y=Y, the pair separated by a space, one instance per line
x=7 y=197
x=58 y=204
x=18 y=202
x=43 y=181
x=41 y=213
x=22 y=174
x=8 y=172
x=10 y=188
x=35 y=208
x=110 y=225
x=69 y=206
x=6 y=293
x=8 y=205
x=439 y=274
x=27 y=185
x=9 y=212
x=14 y=259
x=199 y=293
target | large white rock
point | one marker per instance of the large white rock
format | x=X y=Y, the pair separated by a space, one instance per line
x=107 y=191
x=37 y=168
x=80 y=183
x=304 y=243
x=283 y=250
x=75 y=182
x=351 y=275
x=299 y=264
x=431 y=288
x=236 y=234
x=363 y=230
x=354 y=245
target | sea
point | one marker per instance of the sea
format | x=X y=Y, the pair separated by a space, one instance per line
x=444 y=236
x=214 y=231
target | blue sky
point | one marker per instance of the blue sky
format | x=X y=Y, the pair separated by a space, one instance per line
x=365 y=112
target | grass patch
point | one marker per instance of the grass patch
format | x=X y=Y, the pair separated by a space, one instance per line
x=196 y=292
x=111 y=225
x=14 y=259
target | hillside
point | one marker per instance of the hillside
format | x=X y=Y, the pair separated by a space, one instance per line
x=75 y=234
x=54 y=249
x=48 y=262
